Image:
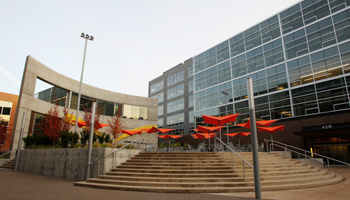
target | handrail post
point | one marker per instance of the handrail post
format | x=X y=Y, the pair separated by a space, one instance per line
x=82 y=175
x=20 y=142
x=305 y=159
x=267 y=146
x=232 y=159
x=329 y=170
x=243 y=171
x=98 y=168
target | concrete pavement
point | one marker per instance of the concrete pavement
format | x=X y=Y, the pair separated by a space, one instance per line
x=21 y=185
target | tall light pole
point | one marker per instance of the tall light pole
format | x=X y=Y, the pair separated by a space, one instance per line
x=86 y=37
x=228 y=137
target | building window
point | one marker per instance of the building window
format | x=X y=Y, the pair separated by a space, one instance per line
x=320 y=34
x=190 y=85
x=190 y=101
x=314 y=10
x=304 y=101
x=295 y=44
x=160 y=110
x=191 y=117
x=291 y=19
x=160 y=123
x=237 y=45
x=160 y=97
x=176 y=91
x=252 y=37
x=326 y=64
x=277 y=78
x=337 y=5
x=135 y=112
x=299 y=71
x=270 y=29
x=175 y=78
x=53 y=94
x=157 y=86
x=190 y=71
x=273 y=53
x=342 y=25
x=175 y=105
x=175 y=120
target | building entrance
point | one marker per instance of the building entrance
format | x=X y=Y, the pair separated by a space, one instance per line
x=333 y=147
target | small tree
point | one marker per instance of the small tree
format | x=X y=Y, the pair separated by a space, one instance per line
x=67 y=120
x=87 y=119
x=51 y=125
x=116 y=124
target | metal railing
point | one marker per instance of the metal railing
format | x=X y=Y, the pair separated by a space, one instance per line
x=7 y=153
x=113 y=152
x=232 y=151
x=296 y=149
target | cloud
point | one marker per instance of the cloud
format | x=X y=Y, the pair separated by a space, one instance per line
x=10 y=76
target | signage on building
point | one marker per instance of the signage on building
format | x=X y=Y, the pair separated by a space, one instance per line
x=324 y=127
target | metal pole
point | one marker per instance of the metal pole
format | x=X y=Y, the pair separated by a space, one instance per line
x=81 y=80
x=254 y=139
x=93 y=111
x=20 y=141
x=228 y=137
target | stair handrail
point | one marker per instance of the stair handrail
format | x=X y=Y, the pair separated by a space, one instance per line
x=232 y=151
x=306 y=156
x=113 y=152
x=305 y=151
x=7 y=153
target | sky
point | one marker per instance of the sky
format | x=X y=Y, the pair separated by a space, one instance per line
x=135 y=40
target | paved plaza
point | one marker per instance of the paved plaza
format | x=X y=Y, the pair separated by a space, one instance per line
x=21 y=185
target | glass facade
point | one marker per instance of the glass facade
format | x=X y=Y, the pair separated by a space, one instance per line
x=298 y=60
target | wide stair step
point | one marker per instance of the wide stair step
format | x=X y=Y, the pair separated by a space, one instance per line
x=208 y=173
x=9 y=164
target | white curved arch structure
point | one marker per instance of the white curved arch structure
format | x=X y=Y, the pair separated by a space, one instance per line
x=27 y=103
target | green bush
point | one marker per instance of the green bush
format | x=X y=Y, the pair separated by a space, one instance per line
x=68 y=139
x=96 y=144
x=104 y=137
x=36 y=140
x=109 y=145
x=84 y=138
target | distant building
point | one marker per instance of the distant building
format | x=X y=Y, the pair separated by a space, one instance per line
x=8 y=105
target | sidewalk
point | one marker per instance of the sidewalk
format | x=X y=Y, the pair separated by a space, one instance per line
x=21 y=185
x=27 y=186
x=340 y=191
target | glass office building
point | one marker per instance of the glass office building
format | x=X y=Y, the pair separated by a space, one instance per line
x=299 y=60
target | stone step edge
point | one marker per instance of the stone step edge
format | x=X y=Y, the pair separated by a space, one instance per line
x=210 y=190
x=160 y=179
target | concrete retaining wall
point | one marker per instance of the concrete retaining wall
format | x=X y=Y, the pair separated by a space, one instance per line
x=68 y=163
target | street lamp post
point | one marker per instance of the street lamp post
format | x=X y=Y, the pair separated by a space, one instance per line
x=226 y=95
x=86 y=37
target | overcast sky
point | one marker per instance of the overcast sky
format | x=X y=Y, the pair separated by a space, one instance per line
x=135 y=40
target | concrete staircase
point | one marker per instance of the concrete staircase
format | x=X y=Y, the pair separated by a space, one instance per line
x=9 y=165
x=208 y=173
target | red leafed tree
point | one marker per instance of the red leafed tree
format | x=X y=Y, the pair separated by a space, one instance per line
x=67 y=120
x=51 y=125
x=87 y=119
x=116 y=123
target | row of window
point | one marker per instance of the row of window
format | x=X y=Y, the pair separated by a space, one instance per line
x=327 y=96
x=59 y=96
x=317 y=35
